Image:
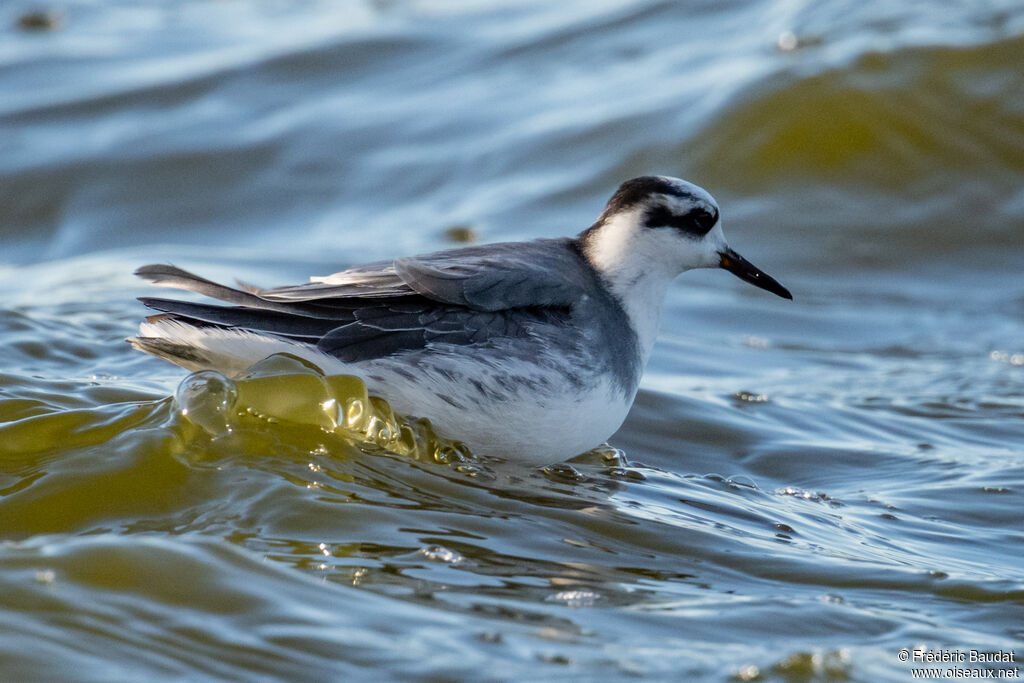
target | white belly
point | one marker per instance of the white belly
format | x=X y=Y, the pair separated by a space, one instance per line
x=532 y=426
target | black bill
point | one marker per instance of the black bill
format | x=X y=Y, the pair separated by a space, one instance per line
x=745 y=270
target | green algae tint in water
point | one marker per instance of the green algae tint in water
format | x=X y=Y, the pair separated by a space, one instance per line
x=810 y=487
x=284 y=388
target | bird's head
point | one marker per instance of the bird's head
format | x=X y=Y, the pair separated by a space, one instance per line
x=664 y=226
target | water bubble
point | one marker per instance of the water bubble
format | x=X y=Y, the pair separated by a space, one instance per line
x=755 y=342
x=332 y=411
x=377 y=431
x=446 y=454
x=299 y=397
x=355 y=414
x=1015 y=359
x=787 y=41
x=284 y=389
x=46 y=576
x=830 y=665
x=747 y=673
x=575 y=598
x=351 y=397
x=614 y=457
x=382 y=426
x=743 y=481
x=438 y=553
x=562 y=472
x=625 y=473
x=207 y=400
x=409 y=442
x=473 y=471
x=605 y=454
x=815 y=496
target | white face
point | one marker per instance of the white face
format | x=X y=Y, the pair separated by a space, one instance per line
x=685 y=223
x=660 y=224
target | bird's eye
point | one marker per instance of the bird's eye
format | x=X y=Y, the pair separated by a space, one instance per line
x=697 y=222
x=703 y=220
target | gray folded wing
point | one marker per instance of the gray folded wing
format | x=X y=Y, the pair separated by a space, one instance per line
x=461 y=297
x=487 y=278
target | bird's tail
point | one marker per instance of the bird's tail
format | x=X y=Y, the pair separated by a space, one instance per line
x=229 y=338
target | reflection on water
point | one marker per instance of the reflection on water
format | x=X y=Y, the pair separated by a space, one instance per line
x=805 y=488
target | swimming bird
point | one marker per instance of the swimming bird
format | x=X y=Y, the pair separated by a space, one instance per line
x=531 y=351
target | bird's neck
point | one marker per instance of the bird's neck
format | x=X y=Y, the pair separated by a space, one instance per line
x=637 y=273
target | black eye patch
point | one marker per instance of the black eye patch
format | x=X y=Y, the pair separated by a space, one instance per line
x=696 y=222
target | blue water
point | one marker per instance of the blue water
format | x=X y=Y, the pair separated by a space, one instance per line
x=809 y=487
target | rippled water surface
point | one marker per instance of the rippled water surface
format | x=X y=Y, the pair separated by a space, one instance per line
x=807 y=487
